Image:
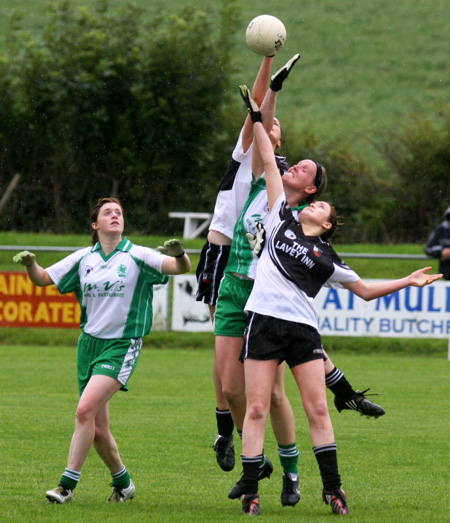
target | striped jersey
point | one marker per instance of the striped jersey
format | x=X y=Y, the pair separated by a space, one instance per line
x=292 y=269
x=242 y=260
x=256 y=210
x=235 y=187
x=233 y=190
x=115 y=291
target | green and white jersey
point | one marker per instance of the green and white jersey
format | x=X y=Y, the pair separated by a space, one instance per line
x=256 y=209
x=115 y=291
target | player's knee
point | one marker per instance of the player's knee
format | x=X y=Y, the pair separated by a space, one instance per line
x=257 y=411
x=318 y=413
x=84 y=413
x=233 y=395
x=278 y=397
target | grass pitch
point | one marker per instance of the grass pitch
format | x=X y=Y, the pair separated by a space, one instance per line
x=394 y=468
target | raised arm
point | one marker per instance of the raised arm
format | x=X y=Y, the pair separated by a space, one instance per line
x=369 y=291
x=260 y=87
x=37 y=274
x=263 y=147
x=268 y=106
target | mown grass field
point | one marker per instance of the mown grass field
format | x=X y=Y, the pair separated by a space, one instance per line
x=394 y=468
x=366 y=67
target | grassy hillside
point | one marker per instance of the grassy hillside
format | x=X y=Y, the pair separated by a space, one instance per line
x=365 y=67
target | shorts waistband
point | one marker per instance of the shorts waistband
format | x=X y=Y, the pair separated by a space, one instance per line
x=242 y=276
x=246 y=282
x=87 y=336
x=217 y=248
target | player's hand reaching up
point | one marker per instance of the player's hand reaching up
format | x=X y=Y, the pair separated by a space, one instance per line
x=172 y=248
x=252 y=106
x=25 y=258
x=280 y=76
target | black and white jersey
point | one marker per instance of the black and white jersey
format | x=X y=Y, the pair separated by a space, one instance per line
x=233 y=191
x=293 y=268
x=235 y=188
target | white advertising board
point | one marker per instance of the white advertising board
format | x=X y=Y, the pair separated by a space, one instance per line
x=414 y=312
x=161 y=307
x=188 y=314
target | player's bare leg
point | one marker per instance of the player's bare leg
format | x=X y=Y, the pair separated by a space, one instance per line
x=283 y=425
x=224 y=442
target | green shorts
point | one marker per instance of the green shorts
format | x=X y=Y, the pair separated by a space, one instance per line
x=116 y=358
x=230 y=318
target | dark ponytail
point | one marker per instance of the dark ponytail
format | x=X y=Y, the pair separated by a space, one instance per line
x=335 y=223
x=320 y=183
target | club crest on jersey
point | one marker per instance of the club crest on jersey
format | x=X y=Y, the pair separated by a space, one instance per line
x=290 y=234
x=88 y=270
x=317 y=252
x=122 y=271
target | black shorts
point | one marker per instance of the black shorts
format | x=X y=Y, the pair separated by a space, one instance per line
x=210 y=268
x=268 y=338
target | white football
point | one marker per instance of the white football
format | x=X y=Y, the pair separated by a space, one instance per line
x=265 y=35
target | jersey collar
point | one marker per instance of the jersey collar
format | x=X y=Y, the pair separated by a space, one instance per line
x=125 y=245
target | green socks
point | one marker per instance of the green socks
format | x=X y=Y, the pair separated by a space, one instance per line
x=122 y=478
x=70 y=478
x=289 y=457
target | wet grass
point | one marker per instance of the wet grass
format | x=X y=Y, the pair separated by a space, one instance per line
x=165 y=426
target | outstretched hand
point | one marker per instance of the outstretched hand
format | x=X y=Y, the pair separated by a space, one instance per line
x=420 y=279
x=172 y=248
x=25 y=258
x=252 y=106
x=280 y=76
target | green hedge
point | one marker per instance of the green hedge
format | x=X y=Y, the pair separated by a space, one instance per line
x=103 y=102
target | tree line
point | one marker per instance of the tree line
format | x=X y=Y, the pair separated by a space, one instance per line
x=104 y=104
